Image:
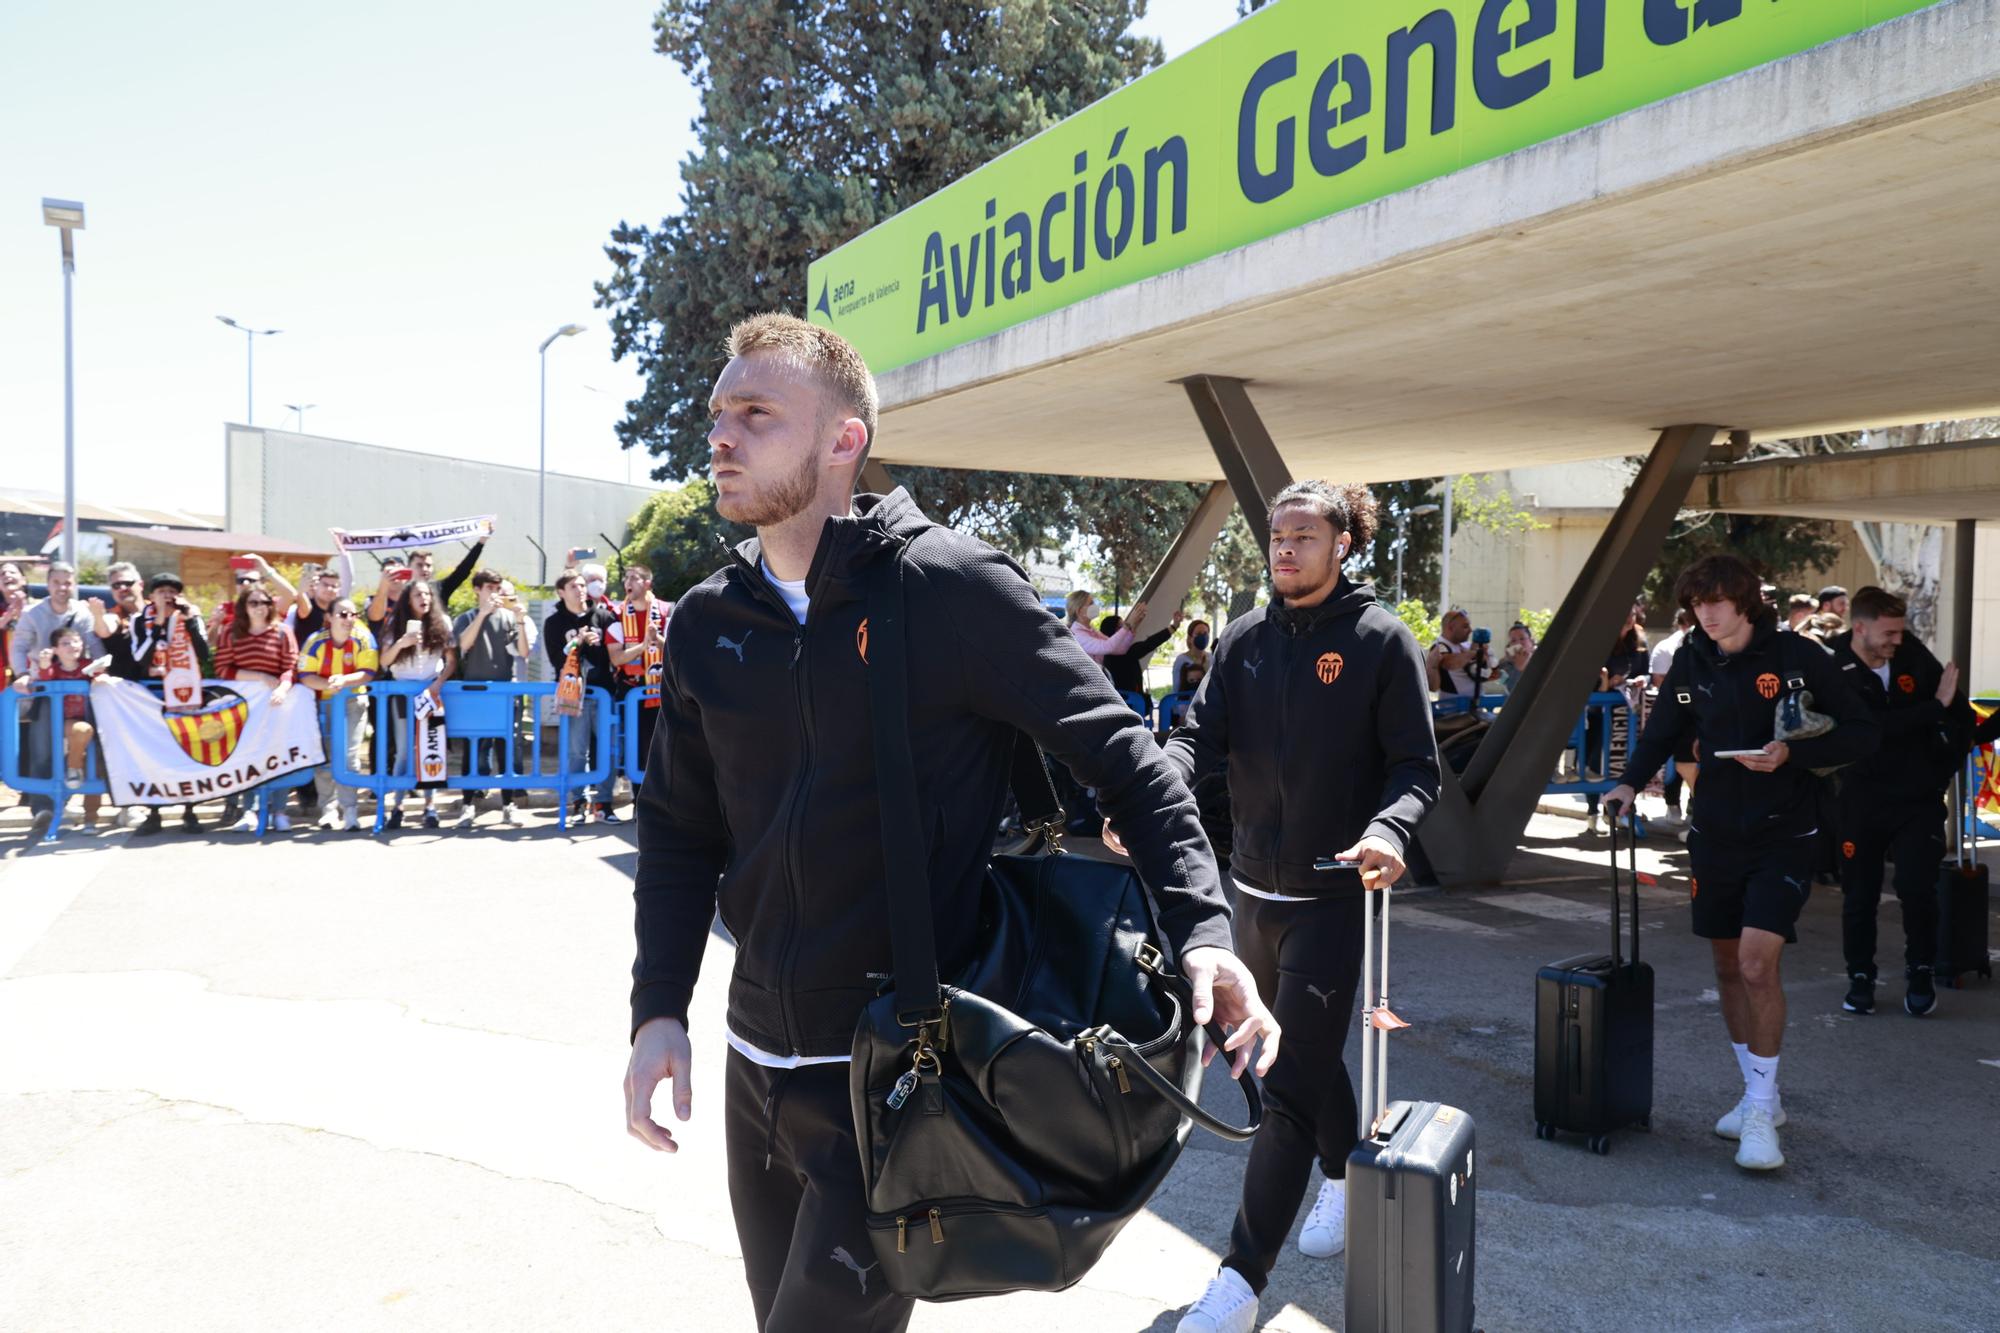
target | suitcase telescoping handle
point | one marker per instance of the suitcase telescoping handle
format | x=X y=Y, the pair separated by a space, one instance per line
x=1632 y=853
x=1377 y=1021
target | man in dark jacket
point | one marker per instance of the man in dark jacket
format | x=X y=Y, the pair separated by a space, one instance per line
x=1892 y=806
x=579 y=623
x=1318 y=707
x=1754 y=821
x=760 y=800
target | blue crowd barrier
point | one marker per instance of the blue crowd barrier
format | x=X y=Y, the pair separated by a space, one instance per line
x=1603 y=705
x=631 y=761
x=1138 y=703
x=1172 y=707
x=473 y=711
x=57 y=786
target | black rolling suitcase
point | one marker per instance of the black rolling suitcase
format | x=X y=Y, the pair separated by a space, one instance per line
x=1409 y=1187
x=1965 y=904
x=1594 y=1034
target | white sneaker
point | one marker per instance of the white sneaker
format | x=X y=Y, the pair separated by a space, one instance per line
x=466 y=814
x=1325 y=1232
x=247 y=824
x=1228 y=1306
x=1758 y=1150
x=281 y=822
x=1594 y=826
x=1731 y=1124
x=510 y=813
x=329 y=818
x=347 y=823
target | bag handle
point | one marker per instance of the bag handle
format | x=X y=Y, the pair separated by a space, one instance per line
x=912 y=942
x=1377 y=1020
x=1632 y=854
x=912 y=938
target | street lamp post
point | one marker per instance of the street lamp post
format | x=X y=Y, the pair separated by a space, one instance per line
x=67 y=214
x=301 y=409
x=542 y=467
x=250 y=337
x=1403 y=539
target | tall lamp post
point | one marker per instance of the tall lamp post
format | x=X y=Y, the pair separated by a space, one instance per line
x=1403 y=539
x=250 y=337
x=67 y=214
x=301 y=409
x=542 y=467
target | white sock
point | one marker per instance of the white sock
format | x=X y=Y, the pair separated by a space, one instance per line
x=1762 y=1082
x=1742 y=1050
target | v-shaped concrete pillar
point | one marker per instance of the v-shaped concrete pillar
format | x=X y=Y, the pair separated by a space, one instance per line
x=1477 y=825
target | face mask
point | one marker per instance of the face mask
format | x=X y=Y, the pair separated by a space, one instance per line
x=595 y=587
x=1200 y=641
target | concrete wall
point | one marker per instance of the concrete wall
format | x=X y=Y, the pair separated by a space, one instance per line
x=297 y=486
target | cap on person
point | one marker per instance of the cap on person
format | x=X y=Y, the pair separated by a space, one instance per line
x=164 y=580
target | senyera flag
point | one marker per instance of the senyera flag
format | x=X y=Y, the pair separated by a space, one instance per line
x=233 y=740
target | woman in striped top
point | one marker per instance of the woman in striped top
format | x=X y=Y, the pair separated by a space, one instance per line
x=257 y=646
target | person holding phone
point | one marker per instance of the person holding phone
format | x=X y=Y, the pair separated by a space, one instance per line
x=1753 y=822
x=1318 y=707
x=425 y=651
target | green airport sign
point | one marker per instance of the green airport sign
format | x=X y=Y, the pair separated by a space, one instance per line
x=1302 y=110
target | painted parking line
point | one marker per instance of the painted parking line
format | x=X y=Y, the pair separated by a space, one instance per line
x=1422 y=919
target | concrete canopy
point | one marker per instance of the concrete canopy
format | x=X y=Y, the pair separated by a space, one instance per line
x=1933 y=483
x=1802 y=247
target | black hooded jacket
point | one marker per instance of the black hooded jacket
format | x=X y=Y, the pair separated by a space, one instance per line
x=1923 y=741
x=760 y=794
x=1323 y=717
x=1732 y=702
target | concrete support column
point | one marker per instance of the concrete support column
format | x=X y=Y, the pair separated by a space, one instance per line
x=1964 y=569
x=1472 y=834
x=1249 y=459
x=875 y=479
x=1169 y=584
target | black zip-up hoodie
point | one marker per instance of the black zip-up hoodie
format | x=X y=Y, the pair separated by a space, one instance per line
x=1923 y=741
x=1323 y=716
x=760 y=794
x=1732 y=700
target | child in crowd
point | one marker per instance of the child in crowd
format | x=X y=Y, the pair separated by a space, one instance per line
x=65 y=661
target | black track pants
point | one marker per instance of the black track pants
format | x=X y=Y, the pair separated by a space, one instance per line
x=1306 y=958
x=1914 y=840
x=795 y=1187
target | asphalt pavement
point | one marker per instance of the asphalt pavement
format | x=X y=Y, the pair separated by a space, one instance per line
x=329 y=1081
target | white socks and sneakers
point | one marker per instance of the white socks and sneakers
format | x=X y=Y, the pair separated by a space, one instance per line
x=1228 y=1306
x=1325 y=1232
x=1754 y=1121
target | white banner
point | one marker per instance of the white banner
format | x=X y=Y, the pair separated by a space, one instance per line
x=415 y=534
x=430 y=742
x=234 y=741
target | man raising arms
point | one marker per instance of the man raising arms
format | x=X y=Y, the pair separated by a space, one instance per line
x=760 y=798
x=1753 y=820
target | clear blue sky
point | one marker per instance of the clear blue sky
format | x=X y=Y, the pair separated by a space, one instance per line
x=417 y=194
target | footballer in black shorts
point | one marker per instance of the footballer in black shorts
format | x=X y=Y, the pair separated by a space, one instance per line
x=1762 y=886
x=1753 y=825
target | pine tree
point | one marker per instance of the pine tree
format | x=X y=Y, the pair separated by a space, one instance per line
x=819 y=121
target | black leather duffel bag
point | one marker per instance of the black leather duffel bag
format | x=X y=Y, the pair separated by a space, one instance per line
x=1011 y=1123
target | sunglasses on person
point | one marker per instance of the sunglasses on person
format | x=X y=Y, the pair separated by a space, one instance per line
x=260 y=601
x=124 y=583
x=340 y=615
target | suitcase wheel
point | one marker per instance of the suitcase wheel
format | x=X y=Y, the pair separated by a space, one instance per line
x=1544 y=1131
x=1601 y=1144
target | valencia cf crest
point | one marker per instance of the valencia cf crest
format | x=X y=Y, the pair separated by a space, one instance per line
x=208 y=733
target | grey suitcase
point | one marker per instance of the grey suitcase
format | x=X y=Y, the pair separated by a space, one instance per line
x=1410 y=1195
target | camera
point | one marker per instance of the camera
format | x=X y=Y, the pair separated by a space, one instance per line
x=1482 y=636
